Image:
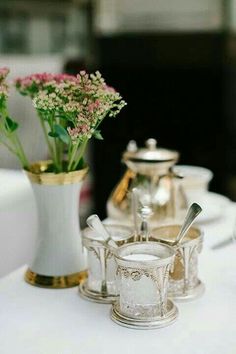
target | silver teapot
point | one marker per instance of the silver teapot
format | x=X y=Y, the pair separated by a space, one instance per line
x=150 y=171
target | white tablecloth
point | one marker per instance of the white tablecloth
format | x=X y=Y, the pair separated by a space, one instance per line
x=43 y=321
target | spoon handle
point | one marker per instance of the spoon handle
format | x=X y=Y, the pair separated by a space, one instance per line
x=96 y=225
x=192 y=213
x=144 y=231
x=134 y=203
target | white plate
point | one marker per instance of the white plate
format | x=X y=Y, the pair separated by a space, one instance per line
x=213 y=206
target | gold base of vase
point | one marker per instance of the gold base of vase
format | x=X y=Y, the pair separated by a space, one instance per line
x=55 y=282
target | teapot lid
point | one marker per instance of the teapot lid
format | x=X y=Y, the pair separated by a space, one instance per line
x=150 y=154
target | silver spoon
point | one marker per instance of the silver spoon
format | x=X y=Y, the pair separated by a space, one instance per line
x=145 y=213
x=179 y=269
x=96 y=225
x=193 y=211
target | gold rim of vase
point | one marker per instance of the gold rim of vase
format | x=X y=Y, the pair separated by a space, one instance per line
x=37 y=174
x=55 y=282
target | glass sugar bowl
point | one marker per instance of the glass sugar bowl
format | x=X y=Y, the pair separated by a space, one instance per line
x=100 y=285
x=183 y=282
x=143 y=276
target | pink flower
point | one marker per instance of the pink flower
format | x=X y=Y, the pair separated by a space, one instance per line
x=3 y=86
x=3 y=91
x=109 y=89
x=31 y=84
x=85 y=100
x=3 y=73
x=93 y=106
x=79 y=131
x=64 y=77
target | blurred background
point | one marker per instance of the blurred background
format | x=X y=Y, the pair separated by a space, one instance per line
x=174 y=62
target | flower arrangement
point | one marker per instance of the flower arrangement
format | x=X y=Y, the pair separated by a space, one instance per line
x=70 y=109
x=8 y=127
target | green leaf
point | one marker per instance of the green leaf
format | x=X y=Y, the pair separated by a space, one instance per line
x=62 y=134
x=53 y=135
x=97 y=135
x=11 y=125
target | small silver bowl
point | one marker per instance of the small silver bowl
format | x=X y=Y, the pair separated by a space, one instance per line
x=143 y=275
x=183 y=280
x=101 y=285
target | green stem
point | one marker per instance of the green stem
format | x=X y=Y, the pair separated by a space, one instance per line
x=54 y=147
x=20 y=150
x=69 y=152
x=73 y=154
x=8 y=147
x=81 y=153
x=58 y=146
x=50 y=148
x=13 y=137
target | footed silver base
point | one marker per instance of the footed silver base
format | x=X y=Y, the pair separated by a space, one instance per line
x=149 y=323
x=190 y=294
x=95 y=296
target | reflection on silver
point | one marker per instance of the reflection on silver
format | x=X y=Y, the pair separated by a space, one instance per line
x=150 y=171
x=148 y=323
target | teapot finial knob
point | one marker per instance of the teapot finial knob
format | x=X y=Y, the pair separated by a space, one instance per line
x=151 y=144
x=132 y=146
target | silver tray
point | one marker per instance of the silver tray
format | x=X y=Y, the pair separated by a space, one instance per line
x=190 y=294
x=94 y=296
x=150 y=323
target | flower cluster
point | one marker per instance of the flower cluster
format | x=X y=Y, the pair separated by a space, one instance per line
x=3 y=86
x=83 y=100
x=32 y=84
x=70 y=109
x=8 y=127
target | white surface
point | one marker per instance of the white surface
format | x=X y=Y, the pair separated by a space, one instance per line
x=213 y=206
x=140 y=257
x=42 y=321
x=195 y=177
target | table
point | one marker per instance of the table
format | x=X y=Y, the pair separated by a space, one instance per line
x=43 y=321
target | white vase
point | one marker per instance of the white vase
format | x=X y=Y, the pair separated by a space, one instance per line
x=59 y=260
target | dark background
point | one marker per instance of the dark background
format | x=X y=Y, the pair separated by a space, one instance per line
x=177 y=88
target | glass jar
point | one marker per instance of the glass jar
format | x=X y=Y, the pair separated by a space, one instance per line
x=143 y=276
x=100 y=285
